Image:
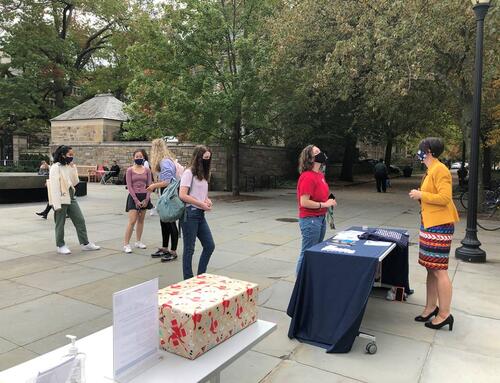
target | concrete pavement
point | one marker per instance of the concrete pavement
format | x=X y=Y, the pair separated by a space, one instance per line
x=44 y=296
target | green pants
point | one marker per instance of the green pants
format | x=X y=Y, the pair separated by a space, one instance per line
x=75 y=214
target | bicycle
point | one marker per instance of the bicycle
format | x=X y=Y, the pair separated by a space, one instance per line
x=490 y=204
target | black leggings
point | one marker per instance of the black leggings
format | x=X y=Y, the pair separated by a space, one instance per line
x=169 y=229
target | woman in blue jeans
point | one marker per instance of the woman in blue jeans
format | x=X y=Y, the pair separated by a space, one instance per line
x=312 y=198
x=194 y=192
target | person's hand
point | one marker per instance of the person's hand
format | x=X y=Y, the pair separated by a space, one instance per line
x=329 y=203
x=138 y=205
x=151 y=188
x=204 y=206
x=209 y=203
x=415 y=194
x=144 y=203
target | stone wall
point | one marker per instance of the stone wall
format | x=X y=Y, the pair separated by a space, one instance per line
x=83 y=131
x=19 y=143
x=256 y=161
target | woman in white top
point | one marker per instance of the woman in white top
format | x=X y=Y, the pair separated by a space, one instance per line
x=194 y=192
x=63 y=177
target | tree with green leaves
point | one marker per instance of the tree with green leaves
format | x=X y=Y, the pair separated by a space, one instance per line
x=55 y=47
x=350 y=70
x=196 y=73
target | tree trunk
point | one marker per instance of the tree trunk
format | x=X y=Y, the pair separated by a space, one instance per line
x=388 y=152
x=235 y=157
x=348 y=161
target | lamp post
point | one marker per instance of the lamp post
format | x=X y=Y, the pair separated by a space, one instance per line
x=470 y=250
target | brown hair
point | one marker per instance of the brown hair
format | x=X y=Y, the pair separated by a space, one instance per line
x=196 y=164
x=306 y=159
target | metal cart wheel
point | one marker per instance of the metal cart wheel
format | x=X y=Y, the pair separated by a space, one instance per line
x=371 y=348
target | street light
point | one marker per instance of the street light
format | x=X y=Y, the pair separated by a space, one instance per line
x=470 y=250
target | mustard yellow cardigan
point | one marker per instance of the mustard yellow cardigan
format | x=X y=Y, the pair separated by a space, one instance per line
x=436 y=201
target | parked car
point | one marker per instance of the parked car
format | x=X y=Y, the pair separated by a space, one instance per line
x=393 y=169
x=458 y=165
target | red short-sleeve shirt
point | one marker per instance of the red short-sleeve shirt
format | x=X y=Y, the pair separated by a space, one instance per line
x=313 y=184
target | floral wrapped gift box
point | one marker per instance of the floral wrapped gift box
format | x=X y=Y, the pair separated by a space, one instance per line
x=199 y=313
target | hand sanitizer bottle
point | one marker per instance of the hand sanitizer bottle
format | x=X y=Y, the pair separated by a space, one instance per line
x=78 y=372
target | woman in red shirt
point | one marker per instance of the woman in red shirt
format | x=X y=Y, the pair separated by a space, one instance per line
x=312 y=198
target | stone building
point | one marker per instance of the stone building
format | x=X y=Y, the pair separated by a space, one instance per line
x=95 y=121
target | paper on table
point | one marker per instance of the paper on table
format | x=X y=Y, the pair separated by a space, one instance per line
x=336 y=249
x=378 y=243
x=57 y=374
x=135 y=326
x=349 y=234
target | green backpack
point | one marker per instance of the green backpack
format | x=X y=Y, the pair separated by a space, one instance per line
x=170 y=207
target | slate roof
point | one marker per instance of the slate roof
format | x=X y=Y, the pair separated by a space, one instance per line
x=102 y=106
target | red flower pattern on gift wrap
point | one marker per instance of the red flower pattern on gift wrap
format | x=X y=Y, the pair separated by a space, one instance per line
x=222 y=287
x=196 y=299
x=225 y=303
x=214 y=324
x=196 y=317
x=249 y=292
x=239 y=310
x=178 y=332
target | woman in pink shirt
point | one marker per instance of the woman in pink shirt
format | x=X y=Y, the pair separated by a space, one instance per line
x=138 y=179
x=194 y=192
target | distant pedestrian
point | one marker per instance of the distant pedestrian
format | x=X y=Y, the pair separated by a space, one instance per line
x=163 y=168
x=63 y=177
x=313 y=199
x=114 y=171
x=381 y=176
x=438 y=216
x=138 y=200
x=194 y=192
x=45 y=212
x=146 y=158
x=44 y=169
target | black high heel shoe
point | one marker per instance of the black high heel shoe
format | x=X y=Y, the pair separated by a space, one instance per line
x=420 y=318
x=448 y=321
x=42 y=214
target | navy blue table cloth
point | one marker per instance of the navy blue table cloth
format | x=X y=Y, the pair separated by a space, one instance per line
x=330 y=295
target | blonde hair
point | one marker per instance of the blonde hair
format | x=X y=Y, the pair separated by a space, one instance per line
x=159 y=151
x=306 y=159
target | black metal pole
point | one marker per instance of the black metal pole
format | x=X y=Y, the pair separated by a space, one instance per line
x=470 y=250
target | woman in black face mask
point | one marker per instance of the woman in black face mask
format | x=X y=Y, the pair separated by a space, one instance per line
x=194 y=192
x=312 y=198
x=138 y=200
x=63 y=177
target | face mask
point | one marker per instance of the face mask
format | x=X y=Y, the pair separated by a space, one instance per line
x=421 y=155
x=206 y=165
x=69 y=160
x=320 y=158
x=139 y=161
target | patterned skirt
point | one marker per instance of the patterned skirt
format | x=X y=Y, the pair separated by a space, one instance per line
x=435 y=245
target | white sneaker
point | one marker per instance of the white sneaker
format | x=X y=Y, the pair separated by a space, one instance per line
x=140 y=245
x=63 y=250
x=90 y=247
x=153 y=211
x=127 y=249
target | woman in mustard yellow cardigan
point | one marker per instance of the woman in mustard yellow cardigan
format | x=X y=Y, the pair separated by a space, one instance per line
x=439 y=215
